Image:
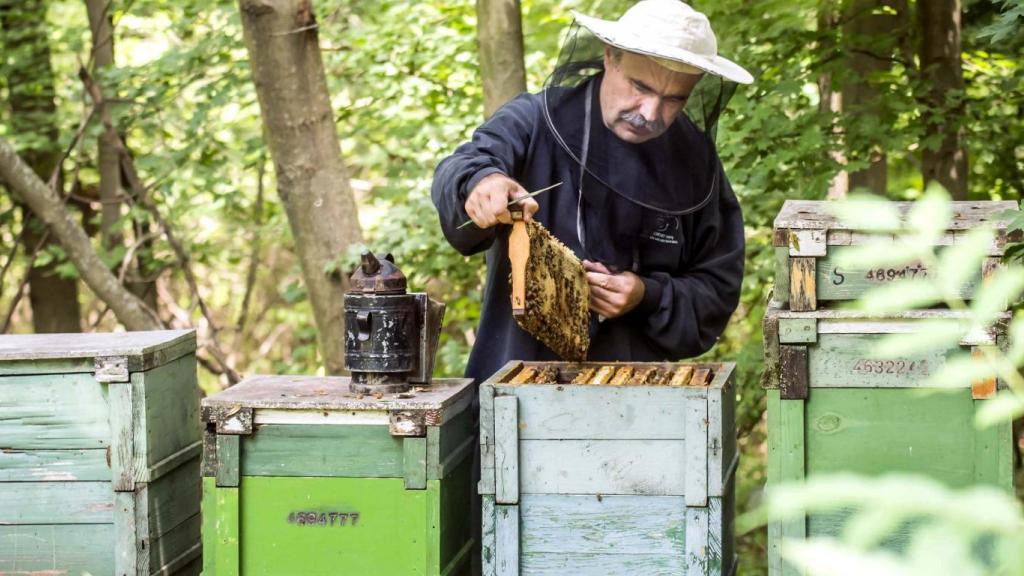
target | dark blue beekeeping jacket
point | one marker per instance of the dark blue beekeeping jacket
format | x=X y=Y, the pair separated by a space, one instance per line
x=691 y=265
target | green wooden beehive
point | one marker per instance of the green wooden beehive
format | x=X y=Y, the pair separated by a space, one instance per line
x=809 y=238
x=301 y=476
x=588 y=479
x=99 y=467
x=833 y=407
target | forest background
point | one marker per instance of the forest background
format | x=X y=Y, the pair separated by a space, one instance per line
x=190 y=177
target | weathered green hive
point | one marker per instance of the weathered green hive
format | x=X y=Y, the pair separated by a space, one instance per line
x=809 y=238
x=99 y=467
x=833 y=407
x=301 y=476
x=589 y=479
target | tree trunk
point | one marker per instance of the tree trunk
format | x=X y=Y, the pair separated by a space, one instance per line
x=54 y=300
x=868 y=38
x=49 y=207
x=108 y=162
x=284 y=55
x=500 y=43
x=943 y=157
x=830 y=101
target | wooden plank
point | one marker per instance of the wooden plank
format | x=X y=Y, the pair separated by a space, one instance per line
x=176 y=548
x=698 y=557
x=908 y=432
x=506 y=537
x=434 y=527
x=172 y=499
x=780 y=291
x=46 y=549
x=210 y=518
x=849 y=283
x=794 y=381
x=453 y=441
x=486 y=484
x=817 y=214
x=174 y=460
x=367 y=525
x=585 y=412
x=55 y=366
x=126 y=541
x=717 y=461
x=846 y=361
x=774 y=471
x=56 y=503
x=143 y=505
x=449 y=445
x=798 y=330
x=488 y=542
x=802 y=286
x=54 y=465
x=122 y=437
x=292 y=392
x=90 y=345
x=807 y=243
x=414 y=463
x=506 y=450
x=226 y=560
x=356 y=451
x=228 y=455
x=985 y=388
x=317 y=417
x=1004 y=456
x=651 y=467
x=793 y=465
x=603 y=525
x=170 y=411
x=577 y=564
x=696 y=490
x=459 y=519
x=55 y=412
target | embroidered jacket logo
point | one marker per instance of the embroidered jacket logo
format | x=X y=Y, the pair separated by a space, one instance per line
x=666 y=230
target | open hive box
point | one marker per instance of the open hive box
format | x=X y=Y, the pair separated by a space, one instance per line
x=608 y=468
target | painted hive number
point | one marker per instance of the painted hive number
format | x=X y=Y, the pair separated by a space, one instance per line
x=880 y=275
x=324 y=518
x=919 y=367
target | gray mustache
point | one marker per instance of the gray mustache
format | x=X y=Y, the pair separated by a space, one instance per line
x=637 y=120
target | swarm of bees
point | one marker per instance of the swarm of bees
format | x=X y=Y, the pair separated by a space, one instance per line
x=616 y=375
x=556 y=310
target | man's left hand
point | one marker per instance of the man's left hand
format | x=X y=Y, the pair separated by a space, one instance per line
x=612 y=295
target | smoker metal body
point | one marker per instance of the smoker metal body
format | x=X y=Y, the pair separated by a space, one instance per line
x=390 y=335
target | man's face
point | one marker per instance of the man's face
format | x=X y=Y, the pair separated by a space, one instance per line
x=640 y=98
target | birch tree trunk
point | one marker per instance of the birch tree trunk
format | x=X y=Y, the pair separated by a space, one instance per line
x=500 y=45
x=54 y=300
x=943 y=157
x=49 y=207
x=284 y=55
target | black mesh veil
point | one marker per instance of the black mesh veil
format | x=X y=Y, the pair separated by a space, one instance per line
x=675 y=173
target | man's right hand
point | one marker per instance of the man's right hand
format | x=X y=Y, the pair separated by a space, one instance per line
x=487 y=204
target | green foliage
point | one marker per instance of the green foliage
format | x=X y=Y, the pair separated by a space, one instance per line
x=973 y=531
x=1007 y=25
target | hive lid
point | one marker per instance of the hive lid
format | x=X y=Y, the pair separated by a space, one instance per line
x=816 y=215
x=133 y=345
x=333 y=393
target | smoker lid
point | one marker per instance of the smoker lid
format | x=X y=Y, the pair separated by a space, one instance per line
x=377 y=276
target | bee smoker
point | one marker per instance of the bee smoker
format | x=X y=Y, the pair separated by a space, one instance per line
x=391 y=336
